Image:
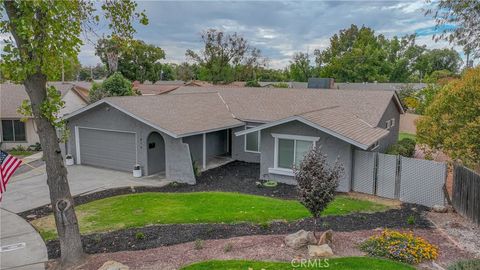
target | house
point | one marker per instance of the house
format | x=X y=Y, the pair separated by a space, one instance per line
x=379 y=86
x=193 y=126
x=14 y=132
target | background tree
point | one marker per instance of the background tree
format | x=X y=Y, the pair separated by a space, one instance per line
x=135 y=59
x=317 y=182
x=115 y=85
x=458 y=22
x=186 y=72
x=98 y=72
x=437 y=59
x=220 y=54
x=451 y=122
x=355 y=55
x=41 y=35
x=300 y=68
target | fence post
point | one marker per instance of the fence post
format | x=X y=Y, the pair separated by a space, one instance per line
x=398 y=176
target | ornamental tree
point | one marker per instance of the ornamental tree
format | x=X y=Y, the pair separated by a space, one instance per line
x=39 y=35
x=317 y=181
x=451 y=123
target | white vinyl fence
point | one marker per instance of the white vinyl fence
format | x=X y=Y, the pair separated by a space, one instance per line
x=407 y=179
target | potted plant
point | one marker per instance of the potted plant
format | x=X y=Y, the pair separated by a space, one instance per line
x=137 y=171
x=69 y=160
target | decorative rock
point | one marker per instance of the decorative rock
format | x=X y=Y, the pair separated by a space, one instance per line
x=32 y=216
x=439 y=208
x=320 y=251
x=326 y=238
x=300 y=239
x=113 y=265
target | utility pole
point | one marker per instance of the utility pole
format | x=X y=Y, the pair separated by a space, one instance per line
x=63 y=70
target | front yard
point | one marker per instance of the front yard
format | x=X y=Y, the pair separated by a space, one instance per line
x=139 y=210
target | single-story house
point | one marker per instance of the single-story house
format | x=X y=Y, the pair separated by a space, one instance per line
x=13 y=131
x=193 y=126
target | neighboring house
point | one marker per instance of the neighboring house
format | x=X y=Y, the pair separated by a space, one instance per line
x=14 y=132
x=169 y=133
x=379 y=86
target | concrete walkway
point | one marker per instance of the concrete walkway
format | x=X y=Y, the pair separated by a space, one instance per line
x=22 y=248
x=30 y=190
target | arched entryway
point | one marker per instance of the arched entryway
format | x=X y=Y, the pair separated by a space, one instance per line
x=156 y=153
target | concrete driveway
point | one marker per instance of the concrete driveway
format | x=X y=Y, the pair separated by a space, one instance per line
x=29 y=190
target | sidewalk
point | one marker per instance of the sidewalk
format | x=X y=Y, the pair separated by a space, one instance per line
x=22 y=248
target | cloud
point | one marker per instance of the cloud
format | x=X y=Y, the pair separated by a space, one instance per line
x=277 y=28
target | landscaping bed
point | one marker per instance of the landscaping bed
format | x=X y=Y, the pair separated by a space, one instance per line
x=259 y=248
x=171 y=234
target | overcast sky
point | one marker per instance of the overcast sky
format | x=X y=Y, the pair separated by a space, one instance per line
x=277 y=28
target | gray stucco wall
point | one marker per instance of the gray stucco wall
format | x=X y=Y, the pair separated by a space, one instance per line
x=238 y=146
x=390 y=113
x=178 y=161
x=195 y=143
x=331 y=146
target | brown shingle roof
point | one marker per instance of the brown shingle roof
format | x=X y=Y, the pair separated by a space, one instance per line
x=12 y=96
x=180 y=114
x=351 y=115
x=155 y=89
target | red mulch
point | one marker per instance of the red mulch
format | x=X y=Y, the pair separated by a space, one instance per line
x=268 y=247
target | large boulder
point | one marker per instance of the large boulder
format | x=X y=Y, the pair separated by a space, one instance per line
x=300 y=239
x=319 y=251
x=113 y=265
x=326 y=238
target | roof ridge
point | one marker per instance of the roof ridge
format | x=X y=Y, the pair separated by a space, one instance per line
x=226 y=105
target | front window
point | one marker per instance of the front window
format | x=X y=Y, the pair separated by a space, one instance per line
x=252 y=141
x=290 y=152
x=13 y=131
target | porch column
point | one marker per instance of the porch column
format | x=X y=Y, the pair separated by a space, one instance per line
x=204 y=159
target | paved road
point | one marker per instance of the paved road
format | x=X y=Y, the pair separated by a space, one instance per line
x=22 y=248
x=29 y=190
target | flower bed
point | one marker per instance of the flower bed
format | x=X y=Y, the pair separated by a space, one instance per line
x=403 y=247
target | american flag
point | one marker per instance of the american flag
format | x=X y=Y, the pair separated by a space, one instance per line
x=8 y=165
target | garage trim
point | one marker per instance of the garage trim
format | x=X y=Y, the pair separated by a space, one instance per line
x=77 y=140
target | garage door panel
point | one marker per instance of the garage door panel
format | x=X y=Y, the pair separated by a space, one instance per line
x=109 y=149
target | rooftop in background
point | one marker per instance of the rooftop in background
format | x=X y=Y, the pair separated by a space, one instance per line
x=379 y=86
x=12 y=95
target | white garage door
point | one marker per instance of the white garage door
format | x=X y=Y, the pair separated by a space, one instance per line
x=109 y=149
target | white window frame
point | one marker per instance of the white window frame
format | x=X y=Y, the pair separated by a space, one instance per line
x=392 y=122
x=245 y=141
x=284 y=171
x=387 y=124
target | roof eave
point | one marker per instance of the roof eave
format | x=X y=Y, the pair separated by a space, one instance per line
x=305 y=121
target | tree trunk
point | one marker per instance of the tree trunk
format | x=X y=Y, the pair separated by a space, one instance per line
x=61 y=199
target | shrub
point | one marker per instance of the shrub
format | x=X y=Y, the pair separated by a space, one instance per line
x=405 y=147
x=198 y=244
x=317 y=181
x=139 y=235
x=35 y=147
x=228 y=247
x=411 y=220
x=465 y=265
x=281 y=85
x=252 y=84
x=402 y=247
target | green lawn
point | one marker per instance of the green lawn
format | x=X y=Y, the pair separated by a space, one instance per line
x=350 y=263
x=403 y=135
x=21 y=154
x=139 y=210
